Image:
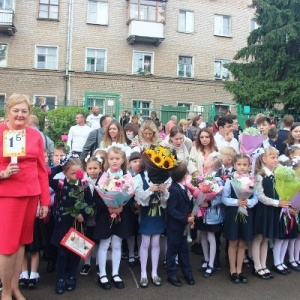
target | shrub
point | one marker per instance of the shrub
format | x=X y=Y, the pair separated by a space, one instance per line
x=59 y=121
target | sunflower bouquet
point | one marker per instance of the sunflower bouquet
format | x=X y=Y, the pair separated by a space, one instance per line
x=158 y=160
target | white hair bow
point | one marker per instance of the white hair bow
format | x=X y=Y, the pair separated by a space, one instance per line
x=258 y=152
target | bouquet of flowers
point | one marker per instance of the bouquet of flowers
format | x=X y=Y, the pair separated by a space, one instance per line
x=158 y=160
x=244 y=186
x=80 y=185
x=115 y=191
x=251 y=139
x=287 y=186
x=202 y=188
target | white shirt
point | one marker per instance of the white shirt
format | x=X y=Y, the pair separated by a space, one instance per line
x=221 y=143
x=93 y=121
x=77 y=137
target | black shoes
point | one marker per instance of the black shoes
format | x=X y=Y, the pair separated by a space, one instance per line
x=208 y=272
x=85 y=270
x=243 y=278
x=294 y=266
x=280 y=270
x=23 y=282
x=234 y=277
x=32 y=283
x=189 y=280
x=105 y=285
x=131 y=262
x=60 y=287
x=117 y=284
x=261 y=274
x=175 y=281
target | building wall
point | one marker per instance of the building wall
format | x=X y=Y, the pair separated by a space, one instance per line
x=163 y=87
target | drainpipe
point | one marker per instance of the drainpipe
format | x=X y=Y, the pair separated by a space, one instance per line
x=69 y=52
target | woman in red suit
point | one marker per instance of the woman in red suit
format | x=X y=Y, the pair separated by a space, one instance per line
x=22 y=186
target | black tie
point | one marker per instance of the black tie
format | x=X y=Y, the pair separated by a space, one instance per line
x=226 y=172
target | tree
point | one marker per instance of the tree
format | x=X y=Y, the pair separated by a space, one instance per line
x=269 y=67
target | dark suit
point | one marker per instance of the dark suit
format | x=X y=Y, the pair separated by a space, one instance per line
x=282 y=136
x=178 y=209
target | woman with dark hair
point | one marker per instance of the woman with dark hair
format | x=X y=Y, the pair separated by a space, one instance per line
x=195 y=126
x=130 y=133
x=176 y=140
x=113 y=134
x=204 y=145
x=293 y=138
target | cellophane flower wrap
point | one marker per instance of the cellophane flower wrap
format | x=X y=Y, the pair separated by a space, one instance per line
x=115 y=191
x=80 y=186
x=244 y=186
x=158 y=160
x=287 y=186
x=202 y=188
x=251 y=139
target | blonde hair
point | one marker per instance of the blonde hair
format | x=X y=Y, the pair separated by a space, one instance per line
x=16 y=99
x=259 y=162
x=150 y=125
x=183 y=122
x=230 y=151
x=117 y=150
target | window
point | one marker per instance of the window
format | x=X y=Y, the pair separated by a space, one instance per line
x=188 y=106
x=97 y=12
x=2 y=100
x=253 y=24
x=6 y=4
x=220 y=72
x=142 y=107
x=185 y=66
x=222 y=25
x=95 y=60
x=48 y=102
x=147 y=10
x=142 y=63
x=3 y=55
x=48 y=9
x=186 y=21
x=46 y=57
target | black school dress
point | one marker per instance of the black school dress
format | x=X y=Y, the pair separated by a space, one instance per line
x=234 y=229
x=267 y=220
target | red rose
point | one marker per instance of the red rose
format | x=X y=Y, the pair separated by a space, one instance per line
x=205 y=188
x=79 y=174
x=118 y=184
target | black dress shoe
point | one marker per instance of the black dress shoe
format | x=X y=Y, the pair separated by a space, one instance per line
x=279 y=271
x=286 y=268
x=234 y=277
x=32 y=283
x=131 y=262
x=117 y=284
x=175 y=281
x=105 y=285
x=260 y=274
x=291 y=266
x=23 y=282
x=268 y=273
x=243 y=278
x=189 y=280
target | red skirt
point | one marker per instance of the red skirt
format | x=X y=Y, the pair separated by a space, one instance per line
x=17 y=217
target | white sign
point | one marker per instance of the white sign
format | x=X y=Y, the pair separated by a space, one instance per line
x=110 y=102
x=14 y=143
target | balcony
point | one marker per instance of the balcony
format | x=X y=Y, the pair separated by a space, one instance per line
x=146 y=21
x=7 y=22
x=145 y=32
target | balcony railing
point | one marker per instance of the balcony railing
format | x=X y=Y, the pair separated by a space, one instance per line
x=7 y=21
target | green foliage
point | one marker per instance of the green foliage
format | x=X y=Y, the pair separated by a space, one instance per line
x=2 y=112
x=41 y=115
x=269 y=67
x=60 y=120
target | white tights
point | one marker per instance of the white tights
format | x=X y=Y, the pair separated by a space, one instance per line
x=208 y=243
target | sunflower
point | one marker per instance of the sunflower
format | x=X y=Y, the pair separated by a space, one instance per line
x=150 y=153
x=168 y=163
x=157 y=159
x=164 y=151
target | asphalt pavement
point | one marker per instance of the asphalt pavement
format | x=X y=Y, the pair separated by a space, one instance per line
x=216 y=287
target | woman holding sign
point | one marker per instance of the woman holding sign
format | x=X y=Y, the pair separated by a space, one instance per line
x=23 y=185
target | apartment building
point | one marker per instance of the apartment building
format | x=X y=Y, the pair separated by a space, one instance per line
x=138 y=54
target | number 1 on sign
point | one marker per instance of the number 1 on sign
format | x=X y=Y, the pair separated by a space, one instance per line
x=14 y=143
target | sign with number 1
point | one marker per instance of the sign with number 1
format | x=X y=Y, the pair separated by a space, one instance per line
x=14 y=143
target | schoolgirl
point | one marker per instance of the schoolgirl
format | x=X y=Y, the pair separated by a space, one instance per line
x=236 y=230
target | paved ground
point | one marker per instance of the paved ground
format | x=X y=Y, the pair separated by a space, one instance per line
x=216 y=287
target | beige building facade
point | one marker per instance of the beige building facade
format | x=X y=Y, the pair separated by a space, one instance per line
x=136 y=54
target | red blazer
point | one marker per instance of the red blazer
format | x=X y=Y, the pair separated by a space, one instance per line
x=32 y=179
